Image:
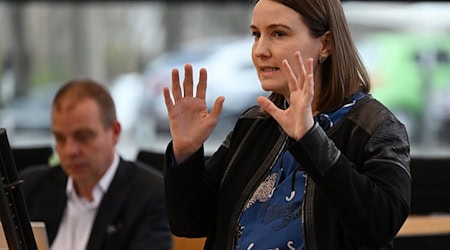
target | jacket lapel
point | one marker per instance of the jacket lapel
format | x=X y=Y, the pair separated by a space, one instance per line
x=53 y=211
x=106 y=222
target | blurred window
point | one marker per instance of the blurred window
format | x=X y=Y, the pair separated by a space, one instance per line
x=132 y=47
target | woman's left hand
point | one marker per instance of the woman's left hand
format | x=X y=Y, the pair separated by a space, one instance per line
x=297 y=119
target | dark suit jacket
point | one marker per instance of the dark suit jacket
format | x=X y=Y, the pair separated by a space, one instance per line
x=131 y=215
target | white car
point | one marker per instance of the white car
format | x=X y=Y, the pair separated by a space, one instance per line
x=230 y=74
x=126 y=91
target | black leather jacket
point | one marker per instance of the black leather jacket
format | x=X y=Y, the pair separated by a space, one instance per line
x=358 y=185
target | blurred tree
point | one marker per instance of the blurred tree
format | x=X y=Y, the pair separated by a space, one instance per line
x=173 y=19
x=20 y=56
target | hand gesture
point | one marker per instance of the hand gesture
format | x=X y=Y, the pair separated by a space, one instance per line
x=297 y=119
x=190 y=122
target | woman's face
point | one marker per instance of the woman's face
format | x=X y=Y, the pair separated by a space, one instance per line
x=279 y=32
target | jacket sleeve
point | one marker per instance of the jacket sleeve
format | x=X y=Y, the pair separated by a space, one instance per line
x=372 y=200
x=189 y=201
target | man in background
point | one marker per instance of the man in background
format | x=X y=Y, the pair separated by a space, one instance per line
x=95 y=199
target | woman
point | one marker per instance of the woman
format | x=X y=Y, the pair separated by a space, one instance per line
x=320 y=164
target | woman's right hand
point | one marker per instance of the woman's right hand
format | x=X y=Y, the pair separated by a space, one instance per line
x=190 y=122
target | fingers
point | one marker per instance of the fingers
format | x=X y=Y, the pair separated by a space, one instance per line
x=188 y=82
x=309 y=66
x=188 y=85
x=302 y=71
x=309 y=81
x=167 y=99
x=176 y=90
x=269 y=107
x=291 y=78
x=295 y=81
x=201 y=87
x=300 y=65
x=217 y=108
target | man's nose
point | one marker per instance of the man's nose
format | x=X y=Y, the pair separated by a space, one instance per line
x=71 y=147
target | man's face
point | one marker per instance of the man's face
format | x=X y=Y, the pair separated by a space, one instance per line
x=84 y=146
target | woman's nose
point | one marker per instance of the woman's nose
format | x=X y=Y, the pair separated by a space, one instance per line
x=261 y=48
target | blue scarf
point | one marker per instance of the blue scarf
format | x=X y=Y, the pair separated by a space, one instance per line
x=271 y=217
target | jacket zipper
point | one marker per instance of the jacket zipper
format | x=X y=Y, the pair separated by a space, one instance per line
x=307 y=221
x=235 y=153
x=261 y=173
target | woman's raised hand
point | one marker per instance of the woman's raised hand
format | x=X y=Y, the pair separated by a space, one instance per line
x=297 y=119
x=190 y=122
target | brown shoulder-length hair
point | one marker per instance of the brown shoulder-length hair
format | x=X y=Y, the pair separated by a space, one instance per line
x=79 y=89
x=343 y=72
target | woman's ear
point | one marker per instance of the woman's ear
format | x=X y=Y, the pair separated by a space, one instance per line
x=326 y=49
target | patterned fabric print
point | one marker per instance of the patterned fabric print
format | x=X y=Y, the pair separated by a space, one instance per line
x=328 y=120
x=263 y=193
x=272 y=216
x=286 y=213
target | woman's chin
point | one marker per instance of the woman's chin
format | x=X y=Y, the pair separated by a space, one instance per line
x=271 y=85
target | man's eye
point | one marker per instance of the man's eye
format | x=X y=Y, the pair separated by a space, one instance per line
x=84 y=136
x=59 y=139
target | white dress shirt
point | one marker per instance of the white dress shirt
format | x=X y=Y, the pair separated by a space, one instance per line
x=79 y=215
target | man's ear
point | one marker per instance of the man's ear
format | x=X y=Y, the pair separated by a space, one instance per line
x=116 y=129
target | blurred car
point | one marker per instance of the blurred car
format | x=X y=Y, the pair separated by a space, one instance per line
x=127 y=92
x=230 y=74
x=29 y=113
x=410 y=75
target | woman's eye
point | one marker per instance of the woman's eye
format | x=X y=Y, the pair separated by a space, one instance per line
x=256 y=34
x=278 y=33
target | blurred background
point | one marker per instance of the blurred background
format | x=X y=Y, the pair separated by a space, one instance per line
x=131 y=47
